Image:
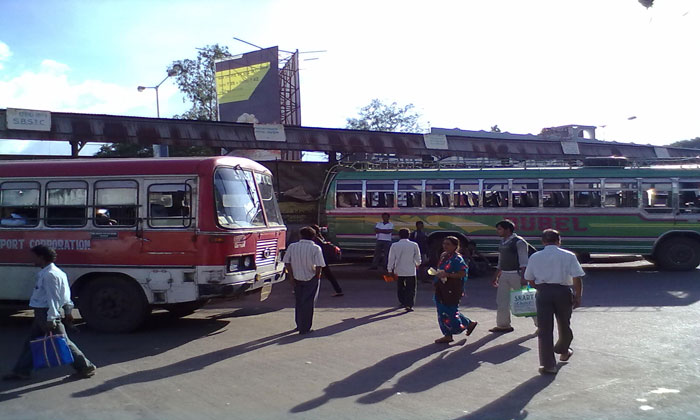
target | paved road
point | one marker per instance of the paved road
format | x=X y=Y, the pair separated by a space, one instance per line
x=636 y=358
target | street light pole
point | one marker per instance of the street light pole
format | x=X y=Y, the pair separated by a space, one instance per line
x=161 y=150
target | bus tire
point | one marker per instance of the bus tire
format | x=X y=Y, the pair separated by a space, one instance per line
x=678 y=254
x=113 y=304
x=183 y=309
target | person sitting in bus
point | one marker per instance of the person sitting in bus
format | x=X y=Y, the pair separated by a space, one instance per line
x=15 y=219
x=102 y=218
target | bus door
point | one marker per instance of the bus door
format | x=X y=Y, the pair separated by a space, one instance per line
x=167 y=224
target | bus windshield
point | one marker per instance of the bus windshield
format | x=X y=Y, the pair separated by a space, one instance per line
x=237 y=202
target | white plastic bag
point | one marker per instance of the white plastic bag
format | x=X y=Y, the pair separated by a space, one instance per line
x=522 y=302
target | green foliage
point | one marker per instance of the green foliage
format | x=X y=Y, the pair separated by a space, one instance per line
x=196 y=80
x=691 y=144
x=378 y=116
x=126 y=150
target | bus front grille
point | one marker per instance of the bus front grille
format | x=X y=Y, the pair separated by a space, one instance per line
x=266 y=252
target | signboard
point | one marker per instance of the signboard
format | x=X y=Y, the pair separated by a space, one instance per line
x=270 y=132
x=27 y=119
x=248 y=87
x=570 y=148
x=661 y=152
x=435 y=141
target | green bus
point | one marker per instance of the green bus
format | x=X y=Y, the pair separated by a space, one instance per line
x=652 y=211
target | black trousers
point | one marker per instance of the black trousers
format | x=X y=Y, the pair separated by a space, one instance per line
x=305 y=294
x=406 y=290
x=553 y=300
x=25 y=363
x=326 y=271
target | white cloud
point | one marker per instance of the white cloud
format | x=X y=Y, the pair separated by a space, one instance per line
x=5 y=53
x=50 y=88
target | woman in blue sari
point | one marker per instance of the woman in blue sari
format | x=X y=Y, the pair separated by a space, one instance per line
x=449 y=288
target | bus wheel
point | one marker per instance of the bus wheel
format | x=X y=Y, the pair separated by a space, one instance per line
x=185 y=308
x=113 y=304
x=678 y=254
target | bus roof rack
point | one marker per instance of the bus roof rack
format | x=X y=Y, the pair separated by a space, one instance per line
x=379 y=162
x=609 y=161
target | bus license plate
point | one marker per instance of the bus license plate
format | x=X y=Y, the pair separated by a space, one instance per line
x=265 y=290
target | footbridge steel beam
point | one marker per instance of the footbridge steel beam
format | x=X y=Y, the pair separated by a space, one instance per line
x=81 y=128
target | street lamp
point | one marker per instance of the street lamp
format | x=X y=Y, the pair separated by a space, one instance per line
x=161 y=150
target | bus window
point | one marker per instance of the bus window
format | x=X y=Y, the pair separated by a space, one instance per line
x=495 y=193
x=66 y=203
x=466 y=193
x=657 y=195
x=380 y=194
x=348 y=194
x=689 y=196
x=269 y=201
x=555 y=193
x=19 y=202
x=621 y=193
x=526 y=193
x=116 y=203
x=437 y=193
x=237 y=203
x=587 y=193
x=410 y=194
x=169 y=205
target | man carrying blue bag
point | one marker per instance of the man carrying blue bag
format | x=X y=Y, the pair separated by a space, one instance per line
x=47 y=341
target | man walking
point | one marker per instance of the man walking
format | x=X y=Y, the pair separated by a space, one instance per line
x=51 y=294
x=554 y=272
x=383 y=230
x=304 y=262
x=418 y=236
x=512 y=261
x=404 y=258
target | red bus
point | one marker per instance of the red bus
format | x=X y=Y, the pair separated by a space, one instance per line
x=134 y=234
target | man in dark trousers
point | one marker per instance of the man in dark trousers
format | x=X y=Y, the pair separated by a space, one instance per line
x=304 y=262
x=418 y=236
x=404 y=258
x=554 y=272
x=51 y=294
x=383 y=230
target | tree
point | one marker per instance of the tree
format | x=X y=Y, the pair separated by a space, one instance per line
x=691 y=144
x=197 y=81
x=378 y=116
x=124 y=150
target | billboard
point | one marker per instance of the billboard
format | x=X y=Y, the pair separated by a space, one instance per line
x=248 y=87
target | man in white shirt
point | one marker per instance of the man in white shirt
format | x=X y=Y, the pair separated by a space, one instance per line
x=404 y=259
x=51 y=294
x=304 y=262
x=554 y=272
x=383 y=230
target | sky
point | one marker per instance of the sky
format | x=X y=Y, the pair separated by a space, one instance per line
x=469 y=64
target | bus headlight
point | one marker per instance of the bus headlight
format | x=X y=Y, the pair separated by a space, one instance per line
x=247 y=263
x=240 y=263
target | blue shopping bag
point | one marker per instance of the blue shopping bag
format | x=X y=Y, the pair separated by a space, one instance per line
x=50 y=351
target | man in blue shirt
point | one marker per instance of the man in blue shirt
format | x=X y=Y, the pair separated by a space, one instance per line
x=51 y=294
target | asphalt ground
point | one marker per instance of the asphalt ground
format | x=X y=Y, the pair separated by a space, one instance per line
x=636 y=357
